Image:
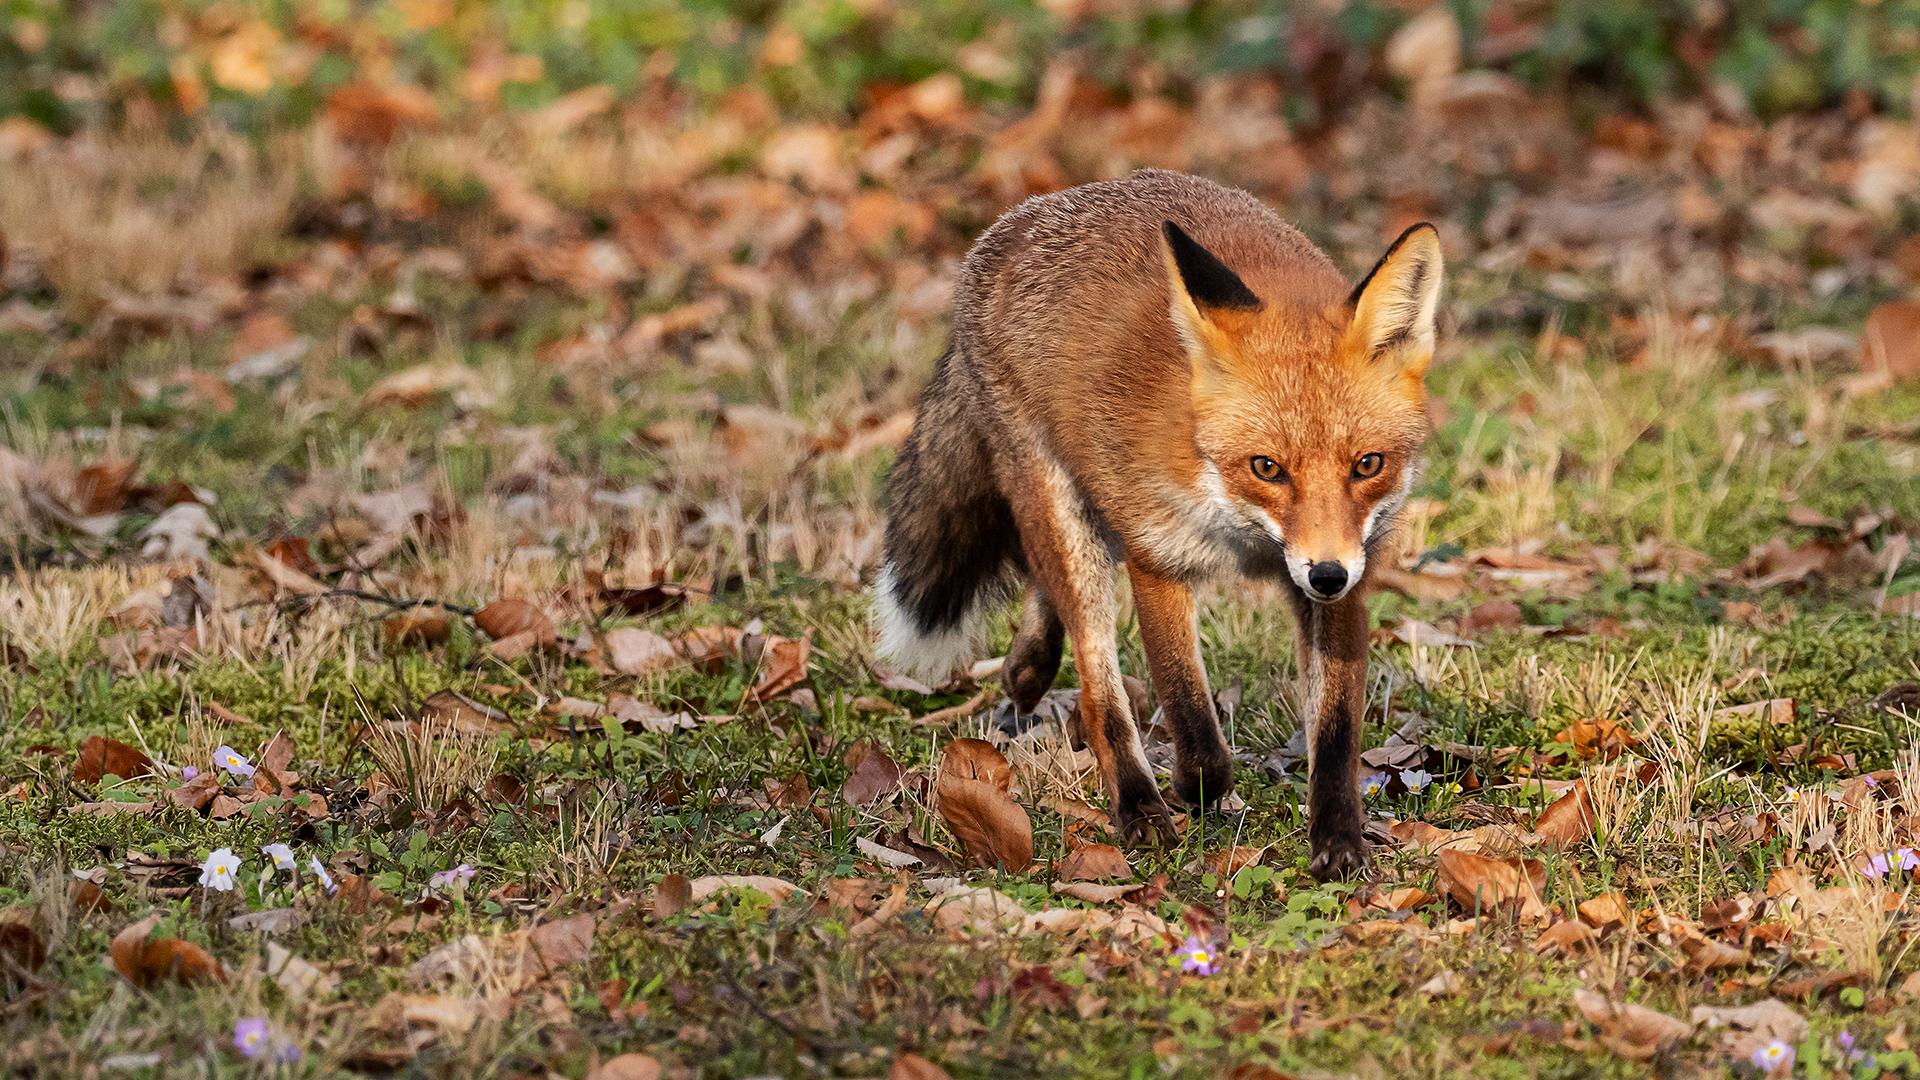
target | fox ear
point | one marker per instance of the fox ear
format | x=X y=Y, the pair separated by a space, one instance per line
x=1397 y=304
x=1202 y=289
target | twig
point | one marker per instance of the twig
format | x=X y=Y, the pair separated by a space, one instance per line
x=805 y=1038
x=401 y=603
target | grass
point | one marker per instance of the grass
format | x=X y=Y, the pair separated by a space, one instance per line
x=1650 y=484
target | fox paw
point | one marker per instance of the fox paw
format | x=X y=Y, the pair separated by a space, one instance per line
x=1146 y=822
x=1205 y=780
x=1339 y=857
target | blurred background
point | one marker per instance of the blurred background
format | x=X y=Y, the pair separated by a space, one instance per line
x=711 y=244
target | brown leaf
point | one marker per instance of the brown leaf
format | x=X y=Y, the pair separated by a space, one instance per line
x=1706 y=954
x=1632 y=1031
x=779 y=890
x=914 y=1067
x=463 y=714
x=976 y=759
x=102 y=488
x=1094 y=862
x=417 y=626
x=561 y=943
x=783 y=666
x=1227 y=862
x=671 y=896
x=506 y=618
x=1476 y=882
x=1495 y=614
x=1890 y=341
x=633 y=651
x=789 y=794
x=1607 y=909
x=22 y=948
x=101 y=756
x=146 y=961
x=627 y=1067
x=1569 y=820
x=994 y=828
x=1565 y=937
x=871 y=774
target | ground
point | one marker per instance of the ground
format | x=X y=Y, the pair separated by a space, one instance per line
x=511 y=511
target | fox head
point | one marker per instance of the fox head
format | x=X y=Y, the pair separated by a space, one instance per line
x=1309 y=409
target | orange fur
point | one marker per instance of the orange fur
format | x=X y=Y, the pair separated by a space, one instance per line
x=1128 y=357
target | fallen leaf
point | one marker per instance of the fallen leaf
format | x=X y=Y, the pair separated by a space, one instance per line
x=1607 y=909
x=886 y=856
x=23 y=949
x=871 y=774
x=783 y=666
x=975 y=908
x=778 y=889
x=671 y=896
x=1706 y=954
x=1495 y=614
x=1476 y=882
x=914 y=1067
x=507 y=618
x=146 y=961
x=1749 y=1027
x=299 y=980
x=1632 y=1031
x=977 y=759
x=417 y=626
x=633 y=651
x=1569 y=820
x=627 y=1067
x=463 y=714
x=100 y=756
x=1227 y=862
x=994 y=829
x=1890 y=340
x=1565 y=937
x=1094 y=862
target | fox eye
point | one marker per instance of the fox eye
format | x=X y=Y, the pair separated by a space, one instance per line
x=1369 y=465
x=1269 y=470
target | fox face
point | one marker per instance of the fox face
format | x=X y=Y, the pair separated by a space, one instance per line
x=1308 y=414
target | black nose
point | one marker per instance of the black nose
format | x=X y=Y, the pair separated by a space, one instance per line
x=1327 y=578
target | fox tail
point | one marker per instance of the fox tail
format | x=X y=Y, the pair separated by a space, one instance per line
x=951 y=541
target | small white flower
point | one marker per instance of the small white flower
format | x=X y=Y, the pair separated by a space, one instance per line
x=326 y=879
x=281 y=854
x=218 y=871
x=1416 y=780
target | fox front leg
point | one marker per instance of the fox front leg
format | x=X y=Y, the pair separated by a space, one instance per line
x=1333 y=681
x=1203 y=767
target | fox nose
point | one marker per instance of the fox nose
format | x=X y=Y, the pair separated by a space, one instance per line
x=1327 y=578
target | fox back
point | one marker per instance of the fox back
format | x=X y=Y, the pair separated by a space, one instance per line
x=1193 y=369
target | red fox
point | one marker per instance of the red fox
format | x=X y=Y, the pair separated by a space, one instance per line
x=1159 y=372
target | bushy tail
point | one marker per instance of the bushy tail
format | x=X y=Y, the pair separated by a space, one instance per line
x=950 y=538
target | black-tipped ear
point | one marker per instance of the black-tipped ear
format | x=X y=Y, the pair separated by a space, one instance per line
x=1206 y=279
x=1396 y=306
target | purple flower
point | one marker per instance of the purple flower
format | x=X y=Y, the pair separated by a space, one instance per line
x=233 y=761
x=1197 y=959
x=1847 y=1046
x=250 y=1036
x=188 y=773
x=1373 y=784
x=1906 y=858
x=455 y=878
x=1876 y=866
x=1774 y=1055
